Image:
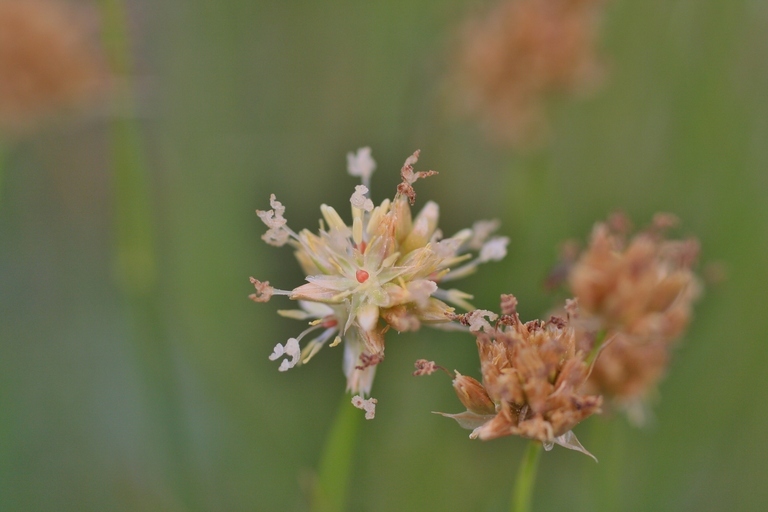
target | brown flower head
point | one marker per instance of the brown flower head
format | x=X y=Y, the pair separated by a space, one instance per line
x=47 y=62
x=532 y=374
x=522 y=53
x=636 y=294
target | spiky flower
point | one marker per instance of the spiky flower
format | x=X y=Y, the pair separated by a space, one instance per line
x=532 y=374
x=636 y=294
x=384 y=270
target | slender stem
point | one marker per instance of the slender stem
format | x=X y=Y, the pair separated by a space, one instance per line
x=330 y=490
x=135 y=260
x=3 y=160
x=527 y=185
x=526 y=476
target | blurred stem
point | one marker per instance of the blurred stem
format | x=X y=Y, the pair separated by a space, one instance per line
x=3 y=159
x=331 y=486
x=522 y=494
x=135 y=259
x=528 y=187
x=610 y=438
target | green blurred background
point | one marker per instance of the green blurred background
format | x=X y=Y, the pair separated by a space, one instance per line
x=164 y=399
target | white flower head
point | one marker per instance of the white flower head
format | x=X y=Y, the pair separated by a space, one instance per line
x=383 y=270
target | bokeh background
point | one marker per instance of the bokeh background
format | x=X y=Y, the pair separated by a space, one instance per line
x=150 y=389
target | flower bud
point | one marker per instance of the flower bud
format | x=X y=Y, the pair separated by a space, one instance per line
x=473 y=395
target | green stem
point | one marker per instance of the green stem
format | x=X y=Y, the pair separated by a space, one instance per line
x=527 y=184
x=608 y=436
x=330 y=490
x=135 y=260
x=523 y=491
x=135 y=265
x=3 y=160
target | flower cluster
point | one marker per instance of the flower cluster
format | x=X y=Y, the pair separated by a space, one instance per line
x=532 y=378
x=636 y=294
x=383 y=271
x=47 y=62
x=520 y=54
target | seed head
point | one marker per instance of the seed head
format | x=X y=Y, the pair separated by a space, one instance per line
x=521 y=54
x=638 y=292
x=48 y=62
x=532 y=374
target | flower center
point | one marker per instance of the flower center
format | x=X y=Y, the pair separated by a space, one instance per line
x=362 y=276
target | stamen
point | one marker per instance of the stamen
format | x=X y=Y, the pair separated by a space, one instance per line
x=357 y=230
x=369 y=406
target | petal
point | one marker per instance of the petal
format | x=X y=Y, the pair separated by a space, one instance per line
x=358 y=381
x=337 y=283
x=315 y=293
x=316 y=309
x=368 y=317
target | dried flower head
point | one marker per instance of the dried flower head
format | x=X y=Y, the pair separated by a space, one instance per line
x=383 y=271
x=636 y=293
x=47 y=62
x=522 y=53
x=532 y=375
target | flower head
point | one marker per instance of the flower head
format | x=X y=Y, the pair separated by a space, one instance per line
x=47 y=62
x=638 y=292
x=383 y=271
x=532 y=374
x=522 y=53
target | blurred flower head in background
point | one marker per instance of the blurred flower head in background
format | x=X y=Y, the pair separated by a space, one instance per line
x=519 y=55
x=532 y=379
x=49 y=62
x=384 y=271
x=638 y=292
